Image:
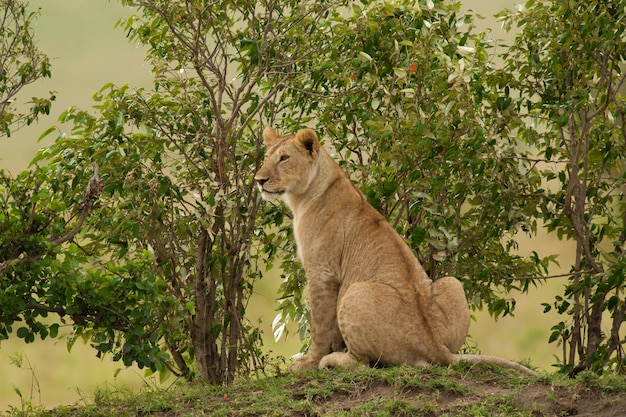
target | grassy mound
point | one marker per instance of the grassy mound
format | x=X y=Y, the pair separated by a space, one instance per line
x=437 y=391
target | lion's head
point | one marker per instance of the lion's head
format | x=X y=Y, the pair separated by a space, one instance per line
x=290 y=163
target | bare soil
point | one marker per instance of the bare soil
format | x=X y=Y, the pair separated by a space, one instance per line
x=536 y=399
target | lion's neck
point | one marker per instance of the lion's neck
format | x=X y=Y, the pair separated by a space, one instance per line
x=322 y=176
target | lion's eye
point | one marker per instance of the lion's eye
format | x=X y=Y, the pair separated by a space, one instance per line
x=283 y=158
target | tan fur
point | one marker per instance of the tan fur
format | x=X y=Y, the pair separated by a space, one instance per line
x=367 y=290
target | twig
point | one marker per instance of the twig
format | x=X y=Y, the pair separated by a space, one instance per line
x=577 y=273
x=94 y=187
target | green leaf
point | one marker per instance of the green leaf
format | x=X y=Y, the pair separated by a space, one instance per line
x=503 y=103
x=44 y=135
x=554 y=336
x=23 y=332
x=418 y=235
x=190 y=306
x=54 y=330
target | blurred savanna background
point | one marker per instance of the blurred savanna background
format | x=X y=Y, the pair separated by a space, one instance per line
x=88 y=52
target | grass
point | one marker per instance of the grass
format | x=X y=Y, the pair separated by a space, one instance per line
x=400 y=391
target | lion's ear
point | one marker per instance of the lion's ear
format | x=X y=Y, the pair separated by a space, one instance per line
x=308 y=140
x=270 y=136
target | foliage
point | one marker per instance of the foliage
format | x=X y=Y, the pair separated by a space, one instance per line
x=24 y=228
x=21 y=63
x=402 y=91
x=562 y=85
x=35 y=215
x=32 y=228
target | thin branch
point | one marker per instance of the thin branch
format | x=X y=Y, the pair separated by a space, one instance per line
x=92 y=192
x=544 y=196
x=569 y=274
x=535 y=160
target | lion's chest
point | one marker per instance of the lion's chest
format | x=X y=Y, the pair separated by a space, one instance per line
x=306 y=240
x=319 y=247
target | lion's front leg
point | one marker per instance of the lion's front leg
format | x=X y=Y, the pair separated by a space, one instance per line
x=325 y=333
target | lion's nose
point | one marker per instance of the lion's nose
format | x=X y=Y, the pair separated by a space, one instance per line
x=261 y=180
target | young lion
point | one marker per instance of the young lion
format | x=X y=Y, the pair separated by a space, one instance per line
x=367 y=290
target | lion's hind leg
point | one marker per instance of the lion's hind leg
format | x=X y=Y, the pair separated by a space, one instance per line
x=451 y=312
x=379 y=326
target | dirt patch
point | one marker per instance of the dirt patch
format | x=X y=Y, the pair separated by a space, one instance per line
x=579 y=401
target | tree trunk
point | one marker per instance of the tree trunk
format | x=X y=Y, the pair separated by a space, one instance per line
x=202 y=337
x=594 y=330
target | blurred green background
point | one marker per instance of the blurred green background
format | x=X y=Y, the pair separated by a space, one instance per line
x=86 y=53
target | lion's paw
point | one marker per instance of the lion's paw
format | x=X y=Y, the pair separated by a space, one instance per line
x=302 y=364
x=341 y=360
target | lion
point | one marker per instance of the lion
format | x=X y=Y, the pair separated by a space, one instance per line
x=371 y=301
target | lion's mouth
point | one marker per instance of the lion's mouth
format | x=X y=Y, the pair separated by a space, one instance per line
x=271 y=194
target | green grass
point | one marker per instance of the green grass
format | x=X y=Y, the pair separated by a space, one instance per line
x=399 y=391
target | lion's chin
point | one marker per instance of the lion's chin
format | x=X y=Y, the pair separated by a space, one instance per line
x=269 y=196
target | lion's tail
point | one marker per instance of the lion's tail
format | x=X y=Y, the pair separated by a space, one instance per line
x=493 y=360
